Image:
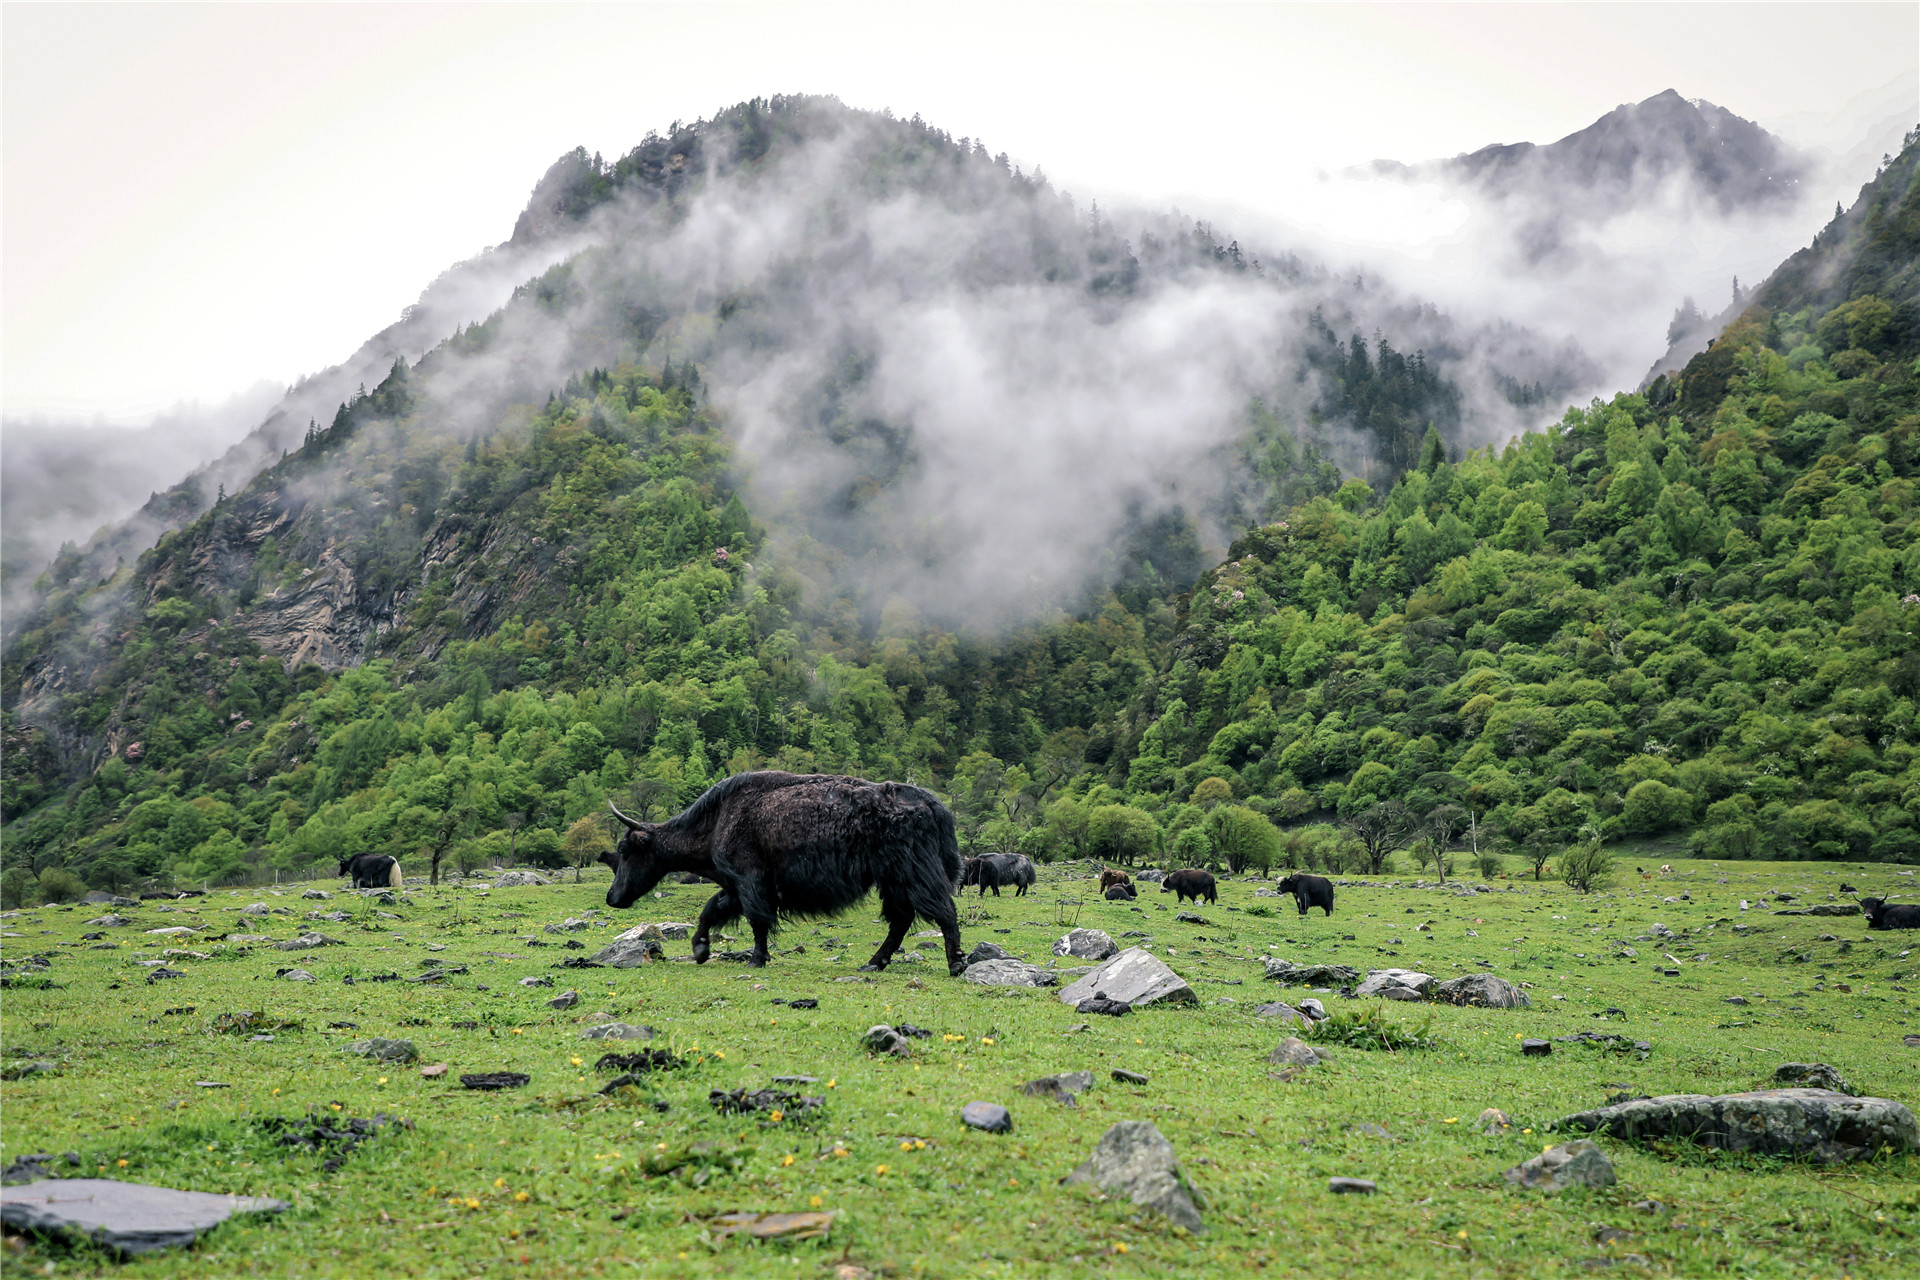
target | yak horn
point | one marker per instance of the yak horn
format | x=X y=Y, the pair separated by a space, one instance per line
x=631 y=825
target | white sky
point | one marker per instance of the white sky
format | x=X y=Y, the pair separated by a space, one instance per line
x=197 y=197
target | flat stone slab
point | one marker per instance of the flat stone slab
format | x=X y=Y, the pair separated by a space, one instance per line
x=127 y=1217
x=1009 y=973
x=1818 y=1123
x=1135 y=1159
x=518 y=879
x=1395 y=984
x=617 y=1031
x=1134 y=977
x=1289 y=974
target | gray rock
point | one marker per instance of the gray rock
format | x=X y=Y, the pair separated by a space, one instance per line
x=1572 y=1164
x=308 y=942
x=1492 y=1120
x=1314 y=1009
x=381 y=1049
x=1289 y=974
x=1371 y=1131
x=1810 y=1075
x=337 y=917
x=1061 y=1088
x=1124 y=1076
x=1086 y=944
x=1536 y=1048
x=540 y=981
x=617 y=1031
x=110 y=921
x=565 y=1000
x=1190 y=917
x=628 y=953
x=1134 y=977
x=884 y=1039
x=569 y=925
x=1395 y=984
x=1483 y=990
x=317 y=895
x=990 y=1117
x=296 y=975
x=1277 y=1009
x=517 y=879
x=126 y=1217
x=255 y=909
x=1135 y=1159
x=984 y=951
x=1295 y=1052
x=1350 y=1187
x=1007 y=973
x=1818 y=1123
x=100 y=898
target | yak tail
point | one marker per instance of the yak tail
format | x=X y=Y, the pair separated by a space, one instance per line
x=393 y=874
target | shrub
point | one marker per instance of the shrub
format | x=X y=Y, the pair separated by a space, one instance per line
x=1586 y=867
x=57 y=884
x=1370 y=1029
x=1489 y=863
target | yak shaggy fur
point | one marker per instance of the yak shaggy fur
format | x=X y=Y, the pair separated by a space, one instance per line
x=793 y=846
x=372 y=871
x=999 y=870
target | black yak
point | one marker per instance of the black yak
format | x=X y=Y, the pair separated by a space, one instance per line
x=1110 y=877
x=1120 y=893
x=999 y=870
x=1309 y=891
x=1191 y=883
x=796 y=845
x=372 y=871
x=1882 y=914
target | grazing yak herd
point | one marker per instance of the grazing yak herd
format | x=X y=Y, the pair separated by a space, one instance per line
x=799 y=846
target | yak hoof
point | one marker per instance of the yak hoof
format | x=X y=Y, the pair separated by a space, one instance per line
x=701 y=950
x=871 y=967
x=957 y=969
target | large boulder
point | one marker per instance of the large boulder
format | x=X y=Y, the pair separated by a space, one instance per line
x=1135 y=1159
x=1134 y=977
x=518 y=879
x=1484 y=990
x=1818 y=1123
x=1289 y=974
x=126 y=1217
x=1086 y=944
x=1009 y=973
x=627 y=953
x=1395 y=984
x=1572 y=1164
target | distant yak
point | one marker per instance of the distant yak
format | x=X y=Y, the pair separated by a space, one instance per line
x=1191 y=883
x=1309 y=891
x=372 y=871
x=998 y=870
x=785 y=846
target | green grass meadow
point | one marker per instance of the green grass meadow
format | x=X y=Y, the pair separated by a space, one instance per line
x=554 y=1178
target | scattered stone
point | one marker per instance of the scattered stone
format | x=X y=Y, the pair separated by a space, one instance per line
x=861 y=977
x=884 y=1039
x=488 y=1080
x=518 y=879
x=785 y=1226
x=110 y=921
x=308 y=942
x=34 y=1167
x=162 y=974
x=1006 y=973
x=1482 y=990
x=27 y=1070
x=805 y=1002
x=539 y=981
x=1536 y=1048
x=173 y=930
x=256 y=909
x=1819 y=1123
x=127 y=1217
x=1134 y=977
x=1135 y=1159
x=1736 y=1000
x=317 y=895
x=1295 y=1052
x=569 y=925
x=1823 y=909
x=1277 y=1009
x=917 y=1033
x=1289 y=974
x=435 y=1071
x=742 y=1101
x=989 y=1117
x=1396 y=984
x=381 y=1049
x=1350 y=1187
x=1810 y=1075
x=1492 y=1120
x=1314 y=1009
x=1572 y=1164
x=295 y=975
x=1086 y=944
x=617 y=1031
x=1101 y=1005
x=1061 y=1088
x=565 y=1000
x=1128 y=1077
x=645 y=1060
x=984 y=951
x=100 y=898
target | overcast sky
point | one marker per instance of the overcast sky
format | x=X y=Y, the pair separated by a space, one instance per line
x=199 y=197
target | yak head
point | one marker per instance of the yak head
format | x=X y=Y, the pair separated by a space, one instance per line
x=637 y=860
x=345 y=865
x=1872 y=907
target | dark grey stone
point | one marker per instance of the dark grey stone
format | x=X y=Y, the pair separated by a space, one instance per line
x=1536 y=1048
x=1061 y=1088
x=1395 y=984
x=1350 y=1187
x=1482 y=990
x=617 y=1031
x=127 y=1217
x=1279 y=1009
x=1086 y=944
x=381 y=1049
x=985 y=951
x=1295 y=1052
x=1810 y=1075
x=1128 y=1077
x=1289 y=974
x=1818 y=1123
x=885 y=1039
x=1135 y=1159
x=1571 y=1164
x=989 y=1117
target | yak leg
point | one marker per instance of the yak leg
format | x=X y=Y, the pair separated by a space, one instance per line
x=760 y=929
x=720 y=908
x=938 y=908
x=899 y=917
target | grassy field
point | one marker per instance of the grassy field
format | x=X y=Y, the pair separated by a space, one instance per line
x=554 y=1176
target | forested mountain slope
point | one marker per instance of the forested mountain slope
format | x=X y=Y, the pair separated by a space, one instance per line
x=443 y=637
